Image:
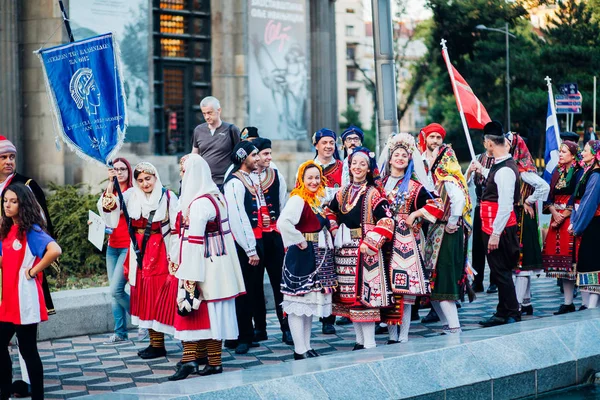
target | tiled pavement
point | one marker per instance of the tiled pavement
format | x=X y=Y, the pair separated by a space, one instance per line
x=83 y=365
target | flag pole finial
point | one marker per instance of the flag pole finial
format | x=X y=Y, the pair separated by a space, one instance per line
x=443 y=43
x=548 y=80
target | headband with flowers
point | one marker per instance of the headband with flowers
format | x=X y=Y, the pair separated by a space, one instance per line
x=146 y=168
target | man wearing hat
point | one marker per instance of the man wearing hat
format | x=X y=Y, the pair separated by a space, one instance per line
x=499 y=224
x=447 y=238
x=274 y=191
x=352 y=137
x=246 y=218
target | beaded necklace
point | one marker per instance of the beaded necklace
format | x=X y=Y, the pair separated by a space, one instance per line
x=351 y=194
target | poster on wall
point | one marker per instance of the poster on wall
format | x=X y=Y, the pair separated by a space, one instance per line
x=128 y=20
x=278 y=68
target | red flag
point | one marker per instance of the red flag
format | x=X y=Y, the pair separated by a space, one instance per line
x=474 y=111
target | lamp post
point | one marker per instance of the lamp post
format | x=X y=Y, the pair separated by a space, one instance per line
x=507 y=33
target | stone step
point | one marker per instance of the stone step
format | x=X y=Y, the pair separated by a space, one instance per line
x=84 y=380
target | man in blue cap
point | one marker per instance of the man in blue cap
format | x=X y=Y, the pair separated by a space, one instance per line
x=352 y=137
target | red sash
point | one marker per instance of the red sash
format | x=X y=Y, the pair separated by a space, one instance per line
x=489 y=210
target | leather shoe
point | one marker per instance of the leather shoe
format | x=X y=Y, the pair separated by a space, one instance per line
x=231 y=344
x=211 y=370
x=430 y=318
x=286 y=337
x=328 y=329
x=582 y=308
x=358 y=347
x=392 y=342
x=300 y=356
x=184 y=370
x=312 y=353
x=343 y=321
x=199 y=361
x=492 y=289
x=242 y=348
x=564 y=309
x=153 y=352
x=259 y=336
x=147 y=349
x=494 y=321
x=528 y=310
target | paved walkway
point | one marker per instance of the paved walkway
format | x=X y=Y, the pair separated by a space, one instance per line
x=82 y=365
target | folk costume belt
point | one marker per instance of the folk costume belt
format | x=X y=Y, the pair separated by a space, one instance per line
x=311 y=236
x=141 y=231
x=489 y=210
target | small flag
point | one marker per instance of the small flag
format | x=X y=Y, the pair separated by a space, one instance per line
x=551 y=153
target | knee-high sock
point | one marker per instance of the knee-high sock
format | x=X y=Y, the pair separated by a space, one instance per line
x=189 y=351
x=568 y=287
x=360 y=338
x=521 y=288
x=157 y=339
x=451 y=313
x=405 y=327
x=527 y=298
x=436 y=306
x=214 y=348
x=201 y=351
x=307 y=331
x=297 y=328
x=393 y=332
x=585 y=298
x=368 y=330
x=593 y=301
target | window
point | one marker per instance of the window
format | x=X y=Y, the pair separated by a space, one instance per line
x=181 y=32
x=351 y=74
x=351 y=94
x=350 y=51
x=349 y=30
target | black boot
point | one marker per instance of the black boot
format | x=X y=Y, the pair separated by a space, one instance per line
x=259 y=336
x=431 y=317
x=493 y=288
x=286 y=337
x=358 y=347
x=564 y=309
x=153 y=352
x=328 y=329
x=528 y=310
x=343 y=321
x=199 y=361
x=211 y=370
x=184 y=370
x=300 y=356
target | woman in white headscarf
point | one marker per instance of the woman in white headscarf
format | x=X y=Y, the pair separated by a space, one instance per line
x=147 y=200
x=209 y=272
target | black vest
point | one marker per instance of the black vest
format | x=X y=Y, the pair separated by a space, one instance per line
x=490 y=193
x=270 y=187
x=250 y=201
x=479 y=180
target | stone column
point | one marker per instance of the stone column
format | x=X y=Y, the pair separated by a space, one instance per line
x=323 y=66
x=10 y=80
x=228 y=49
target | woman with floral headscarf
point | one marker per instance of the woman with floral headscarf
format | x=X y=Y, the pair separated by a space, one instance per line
x=559 y=255
x=308 y=277
x=365 y=225
x=585 y=223
x=152 y=210
x=410 y=203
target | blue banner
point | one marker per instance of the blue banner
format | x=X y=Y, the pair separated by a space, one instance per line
x=84 y=83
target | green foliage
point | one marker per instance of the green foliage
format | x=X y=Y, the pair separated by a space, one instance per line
x=68 y=206
x=351 y=117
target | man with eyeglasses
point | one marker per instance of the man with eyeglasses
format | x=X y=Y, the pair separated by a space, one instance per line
x=352 y=138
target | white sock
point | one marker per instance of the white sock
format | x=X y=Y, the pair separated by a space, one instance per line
x=436 y=306
x=451 y=313
x=405 y=327
x=521 y=288
x=593 y=301
x=360 y=339
x=296 y=324
x=527 y=298
x=568 y=287
x=307 y=331
x=393 y=332
x=585 y=298
x=368 y=330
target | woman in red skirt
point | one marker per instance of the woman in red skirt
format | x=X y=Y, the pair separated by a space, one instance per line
x=147 y=200
x=560 y=248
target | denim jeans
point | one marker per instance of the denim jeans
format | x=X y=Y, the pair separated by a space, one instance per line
x=116 y=277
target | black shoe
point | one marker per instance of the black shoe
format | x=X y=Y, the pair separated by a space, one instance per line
x=184 y=370
x=286 y=337
x=19 y=389
x=528 y=310
x=231 y=344
x=211 y=370
x=458 y=305
x=492 y=289
x=199 y=361
x=392 y=342
x=564 y=309
x=153 y=352
x=343 y=321
x=582 y=308
x=358 y=347
x=431 y=317
x=259 y=336
x=328 y=329
x=478 y=288
x=242 y=348
x=312 y=353
x=494 y=321
x=143 y=351
x=380 y=330
x=300 y=356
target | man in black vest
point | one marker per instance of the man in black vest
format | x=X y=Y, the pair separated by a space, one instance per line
x=243 y=204
x=499 y=225
x=274 y=191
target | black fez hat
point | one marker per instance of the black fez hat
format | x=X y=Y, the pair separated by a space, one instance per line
x=249 y=132
x=493 y=128
x=572 y=136
x=262 y=143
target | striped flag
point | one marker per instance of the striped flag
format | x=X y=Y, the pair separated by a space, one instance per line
x=552 y=141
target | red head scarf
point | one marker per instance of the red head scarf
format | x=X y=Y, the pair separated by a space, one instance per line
x=428 y=130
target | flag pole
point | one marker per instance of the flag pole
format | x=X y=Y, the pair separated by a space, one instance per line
x=594 y=118
x=551 y=99
x=66 y=21
x=460 y=107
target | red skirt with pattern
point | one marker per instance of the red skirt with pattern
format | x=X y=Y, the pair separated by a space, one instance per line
x=559 y=255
